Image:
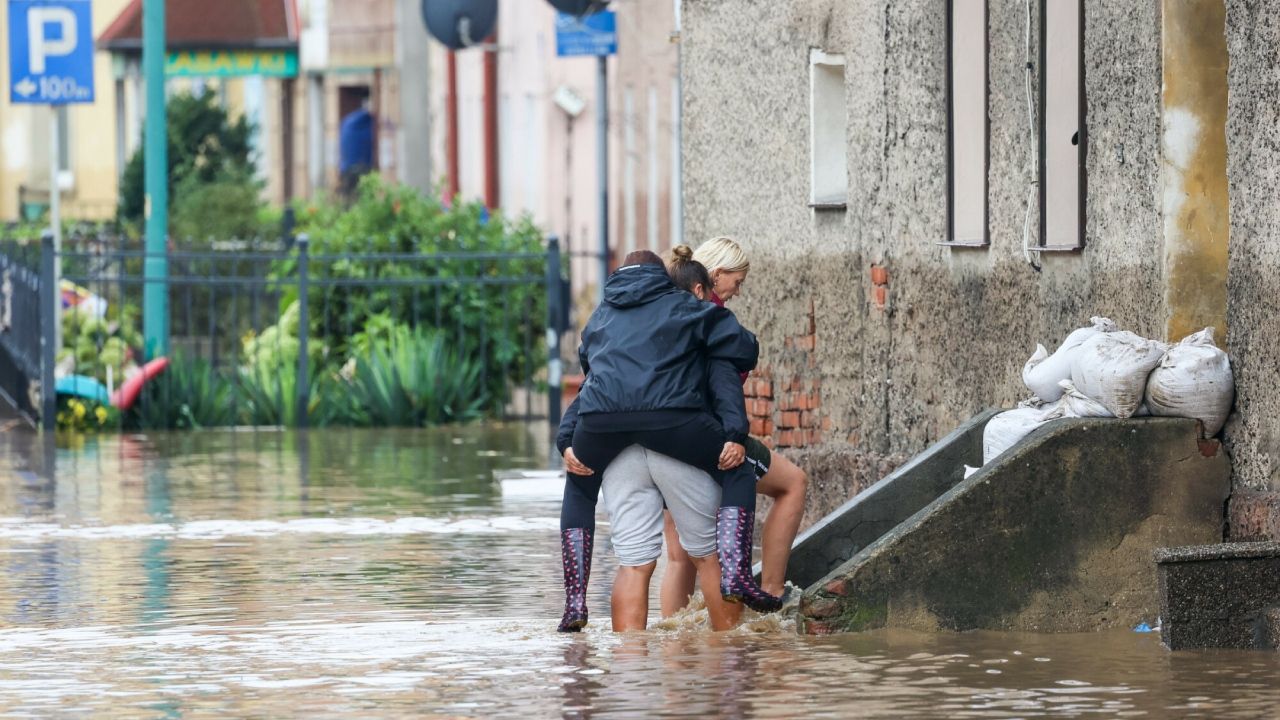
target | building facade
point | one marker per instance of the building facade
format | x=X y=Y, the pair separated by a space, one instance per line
x=915 y=227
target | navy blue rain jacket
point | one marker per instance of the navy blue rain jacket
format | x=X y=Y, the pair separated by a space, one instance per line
x=653 y=346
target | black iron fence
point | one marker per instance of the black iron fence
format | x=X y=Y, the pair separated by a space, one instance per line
x=275 y=334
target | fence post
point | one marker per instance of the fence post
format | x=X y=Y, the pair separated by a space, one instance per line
x=303 y=385
x=554 y=299
x=48 y=332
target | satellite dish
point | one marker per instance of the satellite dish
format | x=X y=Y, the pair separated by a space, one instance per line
x=578 y=8
x=460 y=23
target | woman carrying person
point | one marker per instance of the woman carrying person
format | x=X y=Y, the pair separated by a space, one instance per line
x=652 y=354
x=716 y=272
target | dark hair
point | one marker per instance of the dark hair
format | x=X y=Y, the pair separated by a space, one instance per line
x=641 y=257
x=686 y=272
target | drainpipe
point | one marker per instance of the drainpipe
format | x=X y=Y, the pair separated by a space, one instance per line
x=491 y=122
x=451 y=120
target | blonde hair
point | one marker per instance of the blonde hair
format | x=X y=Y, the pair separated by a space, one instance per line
x=722 y=253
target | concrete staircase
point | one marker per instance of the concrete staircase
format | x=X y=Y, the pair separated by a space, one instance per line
x=1055 y=535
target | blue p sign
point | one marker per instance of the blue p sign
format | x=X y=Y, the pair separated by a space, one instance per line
x=50 y=51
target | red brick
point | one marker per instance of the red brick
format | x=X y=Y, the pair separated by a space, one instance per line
x=788 y=343
x=808 y=419
x=789 y=419
x=764 y=388
x=826 y=423
x=757 y=427
x=786 y=438
x=879 y=275
x=788 y=402
x=807 y=343
x=795 y=385
x=881 y=296
x=768 y=428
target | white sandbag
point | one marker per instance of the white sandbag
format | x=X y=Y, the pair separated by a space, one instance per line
x=1076 y=404
x=1004 y=430
x=1112 y=368
x=1043 y=371
x=1193 y=381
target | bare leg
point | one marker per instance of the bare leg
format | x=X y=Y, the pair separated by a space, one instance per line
x=786 y=484
x=679 y=575
x=723 y=615
x=630 y=602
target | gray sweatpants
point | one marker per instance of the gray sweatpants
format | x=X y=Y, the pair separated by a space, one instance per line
x=635 y=485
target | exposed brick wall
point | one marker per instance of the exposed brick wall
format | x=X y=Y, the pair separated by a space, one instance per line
x=784 y=401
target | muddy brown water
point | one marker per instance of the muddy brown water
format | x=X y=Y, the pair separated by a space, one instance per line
x=386 y=574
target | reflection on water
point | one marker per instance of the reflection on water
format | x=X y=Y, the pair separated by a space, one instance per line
x=384 y=573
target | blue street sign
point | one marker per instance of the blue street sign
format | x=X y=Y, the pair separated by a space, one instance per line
x=50 y=52
x=595 y=34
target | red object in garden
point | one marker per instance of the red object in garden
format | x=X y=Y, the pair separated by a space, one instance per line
x=127 y=395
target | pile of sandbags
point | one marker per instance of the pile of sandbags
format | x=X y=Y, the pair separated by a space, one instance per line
x=1101 y=371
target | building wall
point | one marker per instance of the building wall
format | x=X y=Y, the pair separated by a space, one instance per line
x=876 y=340
x=1253 y=122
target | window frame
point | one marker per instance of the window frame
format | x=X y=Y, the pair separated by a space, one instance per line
x=951 y=240
x=1082 y=130
x=819 y=57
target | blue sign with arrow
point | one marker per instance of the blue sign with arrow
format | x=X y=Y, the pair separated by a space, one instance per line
x=50 y=52
x=595 y=34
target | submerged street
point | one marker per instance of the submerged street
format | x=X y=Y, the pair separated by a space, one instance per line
x=386 y=573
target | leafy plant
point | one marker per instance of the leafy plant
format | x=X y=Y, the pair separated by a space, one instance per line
x=226 y=206
x=190 y=394
x=204 y=144
x=416 y=379
x=429 y=276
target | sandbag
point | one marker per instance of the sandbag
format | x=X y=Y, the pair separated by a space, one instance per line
x=1043 y=371
x=1004 y=430
x=1194 y=381
x=1074 y=403
x=1112 y=369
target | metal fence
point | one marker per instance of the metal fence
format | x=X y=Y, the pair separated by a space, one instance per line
x=267 y=326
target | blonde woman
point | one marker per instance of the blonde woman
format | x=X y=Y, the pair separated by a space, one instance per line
x=776 y=476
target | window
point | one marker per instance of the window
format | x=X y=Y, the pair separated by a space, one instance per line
x=967 y=127
x=1062 y=126
x=828 y=138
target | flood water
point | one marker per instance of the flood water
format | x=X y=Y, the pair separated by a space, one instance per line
x=387 y=574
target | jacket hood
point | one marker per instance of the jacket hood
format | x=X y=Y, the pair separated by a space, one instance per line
x=636 y=285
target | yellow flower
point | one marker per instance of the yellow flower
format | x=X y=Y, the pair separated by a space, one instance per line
x=78 y=410
x=101 y=413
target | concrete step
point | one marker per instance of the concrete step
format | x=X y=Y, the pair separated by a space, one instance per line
x=881 y=507
x=1055 y=535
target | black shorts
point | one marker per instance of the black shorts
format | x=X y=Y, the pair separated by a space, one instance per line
x=758 y=457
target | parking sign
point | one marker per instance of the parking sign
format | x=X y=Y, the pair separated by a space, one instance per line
x=50 y=52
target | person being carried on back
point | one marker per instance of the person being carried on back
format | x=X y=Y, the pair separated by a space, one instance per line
x=651 y=353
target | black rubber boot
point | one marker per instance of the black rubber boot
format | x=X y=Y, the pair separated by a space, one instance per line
x=734 y=527
x=575 y=552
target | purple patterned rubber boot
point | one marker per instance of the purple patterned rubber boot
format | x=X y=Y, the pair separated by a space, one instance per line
x=575 y=552
x=734 y=526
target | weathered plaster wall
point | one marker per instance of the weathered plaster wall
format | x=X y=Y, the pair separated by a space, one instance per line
x=956 y=325
x=1196 y=227
x=1253 y=169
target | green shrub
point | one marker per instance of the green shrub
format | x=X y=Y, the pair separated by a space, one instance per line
x=501 y=324
x=414 y=378
x=190 y=394
x=228 y=206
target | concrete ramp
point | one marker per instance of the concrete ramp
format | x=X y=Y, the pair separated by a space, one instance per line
x=880 y=508
x=1056 y=535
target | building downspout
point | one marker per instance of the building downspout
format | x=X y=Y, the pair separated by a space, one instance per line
x=491 y=180
x=451 y=121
